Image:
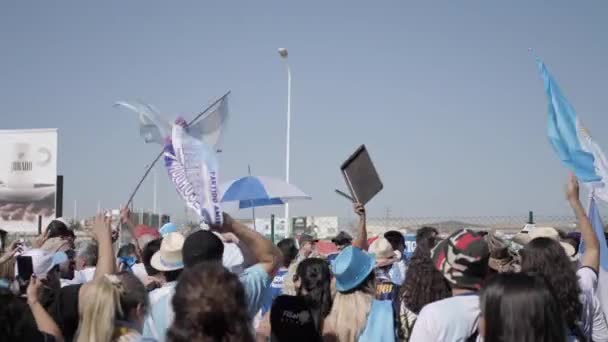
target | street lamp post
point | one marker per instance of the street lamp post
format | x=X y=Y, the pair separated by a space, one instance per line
x=283 y=53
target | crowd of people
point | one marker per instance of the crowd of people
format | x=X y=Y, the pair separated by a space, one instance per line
x=229 y=283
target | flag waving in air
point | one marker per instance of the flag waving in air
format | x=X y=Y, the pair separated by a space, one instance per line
x=155 y=128
x=575 y=148
x=566 y=133
x=189 y=151
x=193 y=168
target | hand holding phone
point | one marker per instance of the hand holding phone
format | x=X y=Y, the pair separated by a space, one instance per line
x=33 y=290
x=25 y=269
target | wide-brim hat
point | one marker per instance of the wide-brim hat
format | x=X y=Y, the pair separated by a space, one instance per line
x=462 y=258
x=549 y=233
x=351 y=267
x=169 y=257
x=383 y=252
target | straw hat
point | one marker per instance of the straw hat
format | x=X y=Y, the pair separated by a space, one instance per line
x=169 y=257
x=383 y=251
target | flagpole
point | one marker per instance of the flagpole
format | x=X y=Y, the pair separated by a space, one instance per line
x=161 y=152
x=252 y=207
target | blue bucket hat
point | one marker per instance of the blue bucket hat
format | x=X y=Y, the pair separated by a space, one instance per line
x=351 y=267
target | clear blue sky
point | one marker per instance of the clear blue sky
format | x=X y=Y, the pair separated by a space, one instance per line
x=444 y=93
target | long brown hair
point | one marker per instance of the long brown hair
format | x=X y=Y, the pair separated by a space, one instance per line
x=423 y=283
x=209 y=305
x=546 y=257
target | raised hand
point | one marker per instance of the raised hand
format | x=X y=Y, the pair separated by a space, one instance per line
x=572 y=188
x=41 y=239
x=124 y=215
x=359 y=210
x=230 y=238
x=101 y=227
x=13 y=248
x=33 y=290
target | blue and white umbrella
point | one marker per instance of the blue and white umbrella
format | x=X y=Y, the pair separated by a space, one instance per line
x=253 y=191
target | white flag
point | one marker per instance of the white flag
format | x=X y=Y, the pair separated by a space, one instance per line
x=193 y=169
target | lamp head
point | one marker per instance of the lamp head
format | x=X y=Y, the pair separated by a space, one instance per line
x=283 y=52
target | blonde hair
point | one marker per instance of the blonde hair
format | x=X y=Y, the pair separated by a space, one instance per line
x=289 y=288
x=348 y=316
x=109 y=299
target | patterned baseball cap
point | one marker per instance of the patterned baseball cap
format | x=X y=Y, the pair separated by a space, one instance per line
x=462 y=258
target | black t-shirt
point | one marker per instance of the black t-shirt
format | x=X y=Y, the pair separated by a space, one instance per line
x=64 y=310
x=17 y=322
x=291 y=320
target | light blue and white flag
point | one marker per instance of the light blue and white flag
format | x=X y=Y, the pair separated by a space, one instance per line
x=193 y=169
x=155 y=128
x=575 y=148
x=567 y=135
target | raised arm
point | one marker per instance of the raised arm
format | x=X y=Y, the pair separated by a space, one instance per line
x=264 y=252
x=10 y=252
x=361 y=238
x=591 y=256
x=44 y=321
x=103 y=234
x=125 y=217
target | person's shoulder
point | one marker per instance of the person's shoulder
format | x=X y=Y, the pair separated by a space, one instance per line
x=166 y=291
x=587 y=272
x=438 y=304
x=69 y=292
x=587 y=278
x=255 y=271
x=447 y=305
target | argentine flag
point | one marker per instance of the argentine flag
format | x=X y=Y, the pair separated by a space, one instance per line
x=575 y=148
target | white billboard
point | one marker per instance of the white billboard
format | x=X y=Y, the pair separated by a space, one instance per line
x=28 y=175
x=262 y=226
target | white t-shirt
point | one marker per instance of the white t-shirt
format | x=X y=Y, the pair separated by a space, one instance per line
x=602 y=291
x=139 y=270
x=451 y=319
x=80 y=277
x=593 y=322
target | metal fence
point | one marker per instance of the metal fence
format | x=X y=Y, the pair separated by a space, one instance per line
x=447 y=224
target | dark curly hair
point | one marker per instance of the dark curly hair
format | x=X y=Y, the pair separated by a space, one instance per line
x=427 y=237
x=315 y=279
x=547 y=258
x=423 y=284
x=209 y=305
